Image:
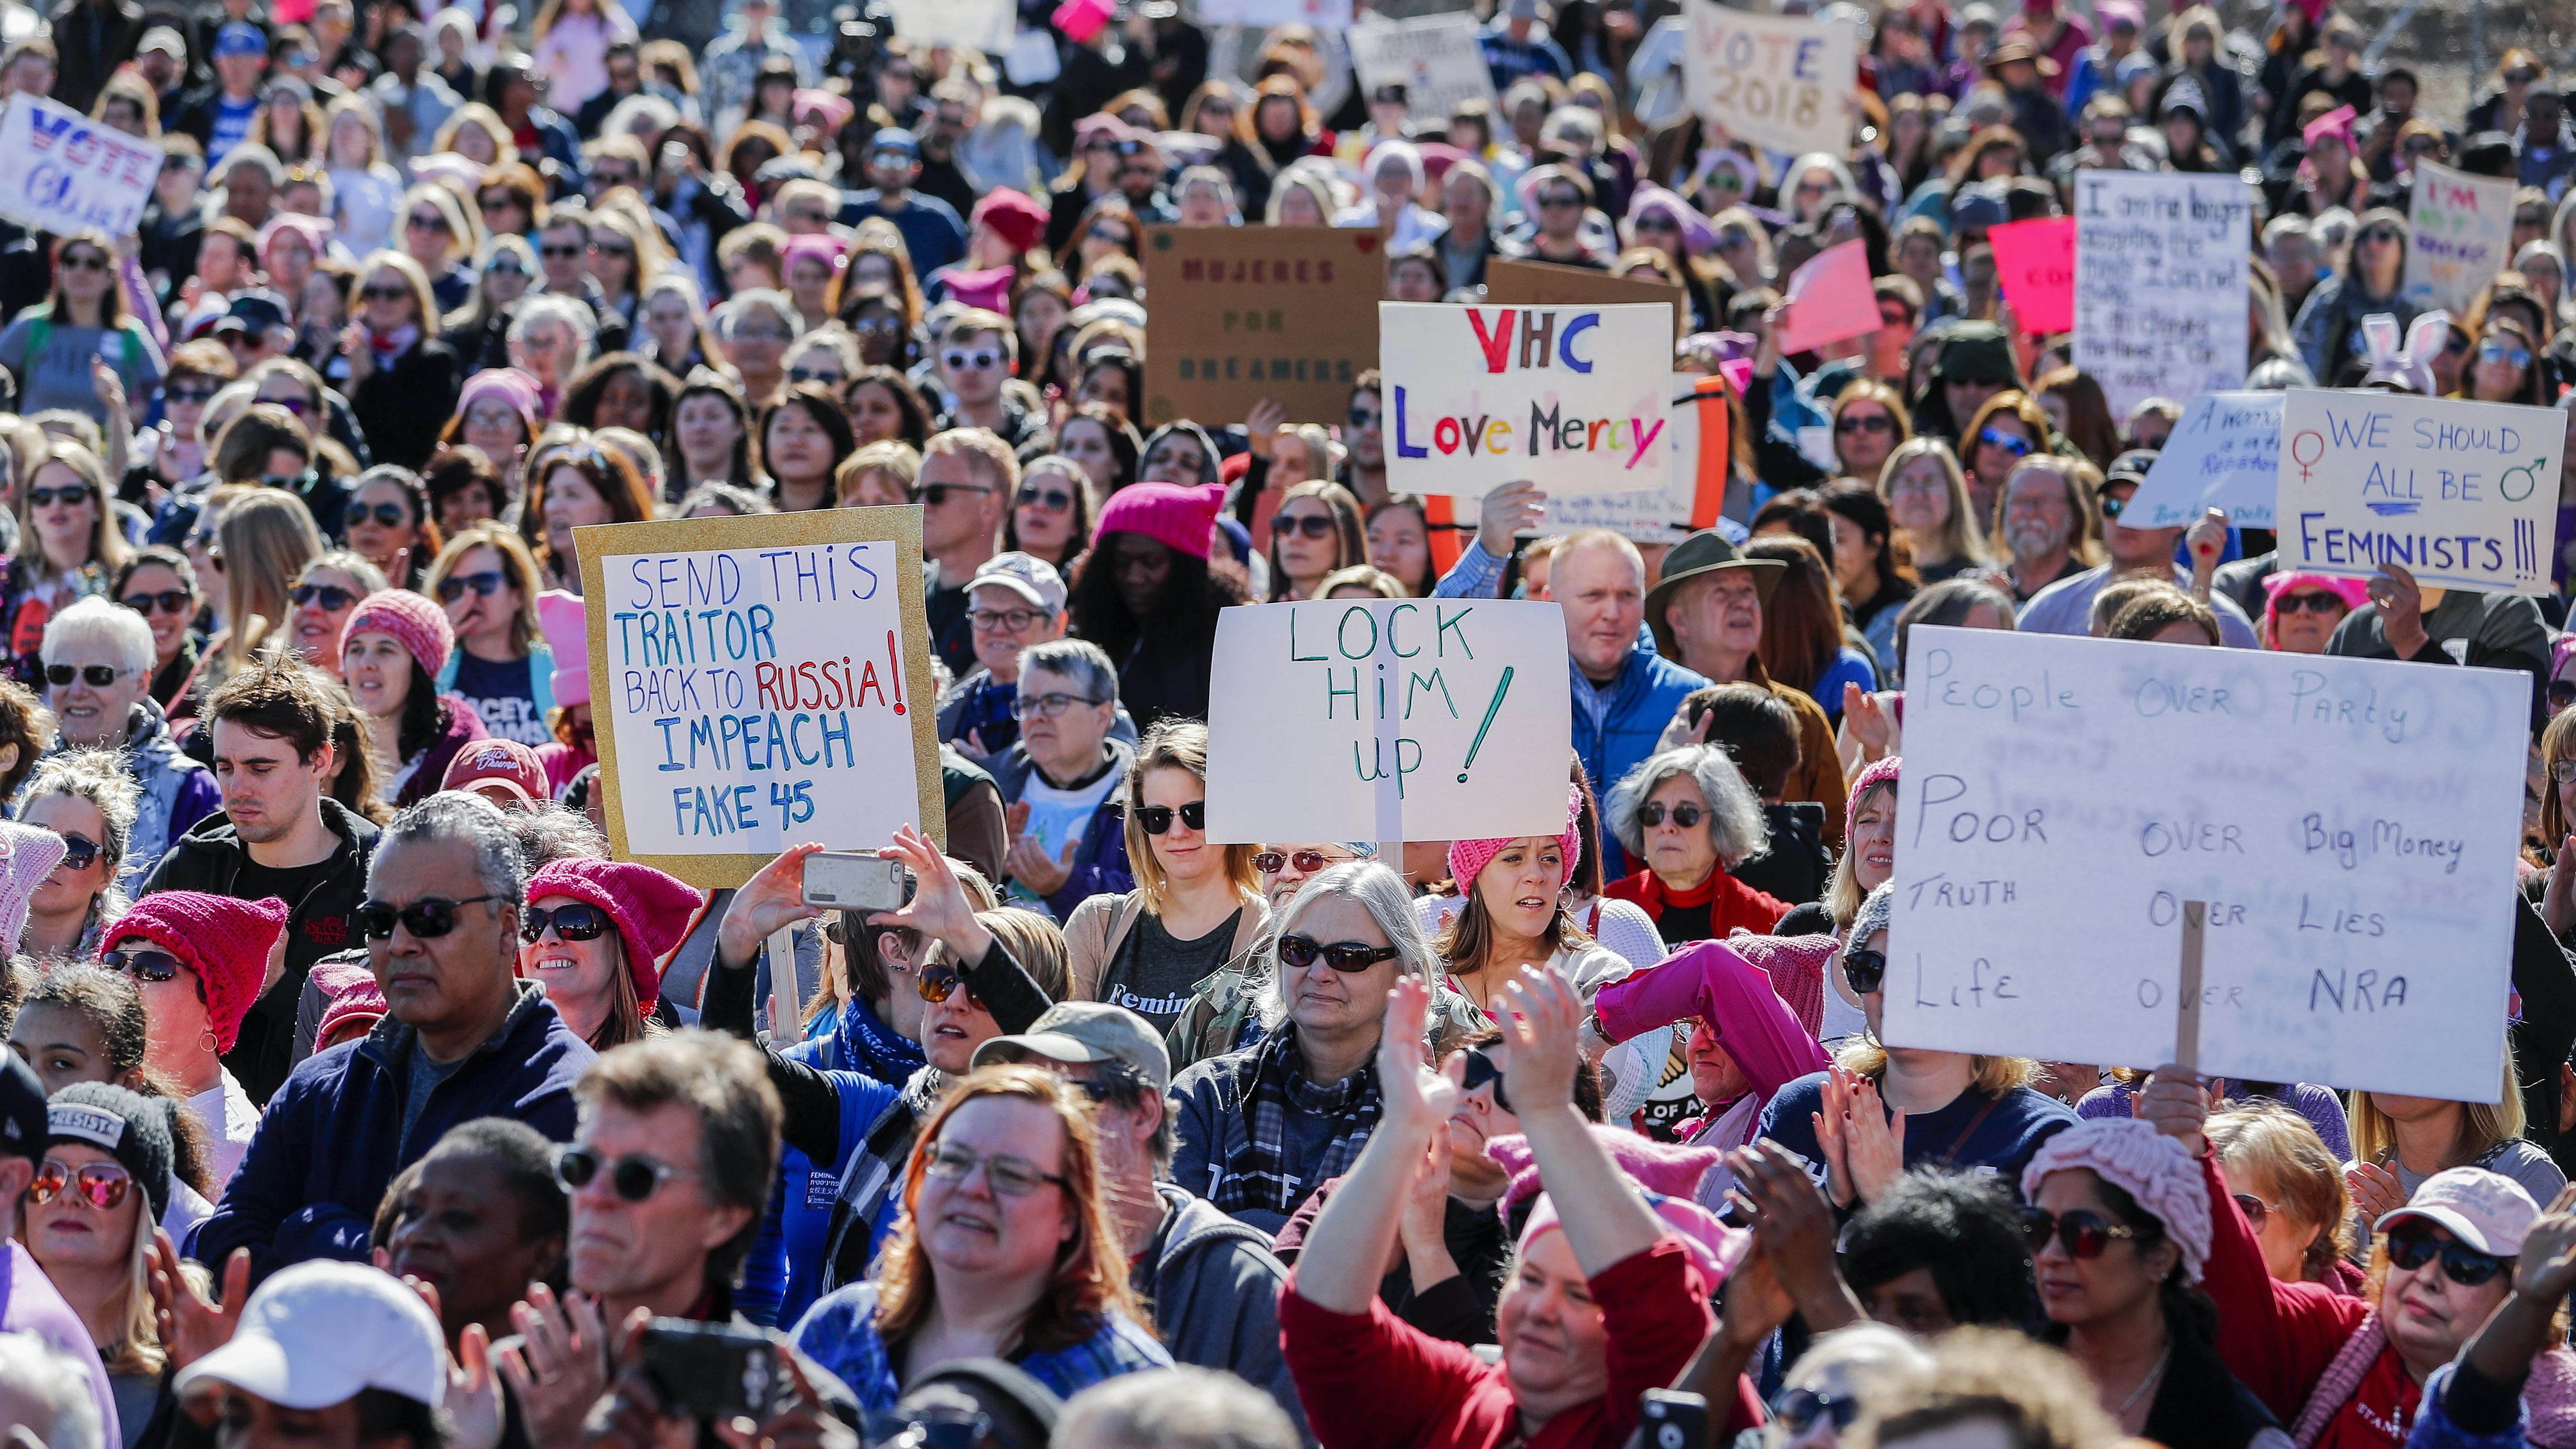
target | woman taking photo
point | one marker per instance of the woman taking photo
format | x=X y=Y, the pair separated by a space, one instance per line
x=1870 y=423
x=1515 y=914
x=322 y=595
x=577 y=483
x=200 y=962
x=1874 y=582
x=1316 y=532
x=487 y=581
x=803 y=437
x=70 y=547
x=159 y=583
x=89 y=798
x=392 y=650
x=1051 y=515
x=1149 y=594
x=594 y=935
x=711 y=435
x=1688 y=814
x=1927 y=500
x=101 y=1187
x=389 y=525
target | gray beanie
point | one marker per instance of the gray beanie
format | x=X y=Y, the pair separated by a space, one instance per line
x=1873 y=914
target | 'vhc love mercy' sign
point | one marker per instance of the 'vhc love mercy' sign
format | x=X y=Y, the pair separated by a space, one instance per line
x=1571 y=398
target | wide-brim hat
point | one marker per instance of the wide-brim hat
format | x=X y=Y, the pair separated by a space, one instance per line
x=2019 y=47
x=1697 y=556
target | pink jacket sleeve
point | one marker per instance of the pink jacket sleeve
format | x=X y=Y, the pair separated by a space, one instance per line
x=1708 y=981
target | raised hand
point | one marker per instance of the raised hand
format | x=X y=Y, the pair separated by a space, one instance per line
x=1416 y=1100
x=940 y=907
x=1505 y=512
x=1030 y=865
x=2547 y=1268
x=1873 y=1141
x=191 y=1327
x=1541 y=1024
x=1867 y=720
x=772 y=900
x=473 y=1400
x=2176 y=1104
x=1262 y=423
x=2376 y=1192
x=560 y=1367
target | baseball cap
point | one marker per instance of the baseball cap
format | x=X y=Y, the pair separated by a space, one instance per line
x=1030 y=577
x=2131 y=466
x=165 y=40
x=504 y=772
x=24 y=1125
x=895 y=138
x=240 y=37
x=320 y=1333
x=255 y=312
x=1086 y=1031
x=2486 y=1210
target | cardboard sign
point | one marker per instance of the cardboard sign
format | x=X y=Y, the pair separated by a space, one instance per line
x=2160 y=262
x=2224 y=454
x=1695 y=446
x=1397 y=719
x=1549 y=284
x=2460 y=234
x=760 y=682
x=1263 y=14
x=62 y=172
x=1247 y=312
x=2035 y=265
x=1570 y=398
x=1829 y=299
x=1783 y=83
x=1435 y=58
x=2463 y=494
x=2347 y=821
x=985 y=25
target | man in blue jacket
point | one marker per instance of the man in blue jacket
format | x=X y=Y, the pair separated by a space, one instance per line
x=1624 y=692
x=463 y=1039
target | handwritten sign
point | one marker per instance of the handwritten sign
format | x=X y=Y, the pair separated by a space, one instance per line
x=2347 y=821
x=1247 y=312
x=1781 y=82
x=2160 y=262
x=2463 y=494
x=62 y=172
x=2224 y=454
x=1571 y=398
x=1550 y=284
x=1435 y=58
x=984 y=25
x=1335 y=14
x=1694 y=486
x=759 y=682
x=1398 y=719
x=2035 y=263
x=2460 y=235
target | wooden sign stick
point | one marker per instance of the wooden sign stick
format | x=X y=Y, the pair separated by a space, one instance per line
x=786 y=992
x=2195 y=921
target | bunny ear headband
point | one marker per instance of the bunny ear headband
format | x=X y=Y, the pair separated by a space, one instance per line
x=2408 y=368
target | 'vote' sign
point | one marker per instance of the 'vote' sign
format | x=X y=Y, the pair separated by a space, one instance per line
x=1570 y=398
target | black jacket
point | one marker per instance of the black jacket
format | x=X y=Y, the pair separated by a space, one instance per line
x=91 y=39
x=402 y=407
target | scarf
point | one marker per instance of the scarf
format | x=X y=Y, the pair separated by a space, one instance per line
x=874 y=1173
x=861 y=1043
x=389 y=345
x=2343 y=1379
x=1257 y=1172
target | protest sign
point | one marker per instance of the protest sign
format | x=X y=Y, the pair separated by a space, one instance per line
x=760 y=682
x=2035 y=265
x=985 y=25
x=1781 y=82
x=2224 y=454
x=2463 y=494
x=2160 y=262
x=2346 y=820
x=1571 y=398
x=1694 y=489
x=2460 y=234
x=1548 y=284
x=1247 y=312
x=1263 y=14
x=1435 y=58
x=62 y=172
x=1829 y=299
x=1396 y=719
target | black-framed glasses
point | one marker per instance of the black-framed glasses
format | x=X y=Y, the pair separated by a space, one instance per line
x=332 y=597
x=70 y=495
x=2318 y=602
x=1480 y=1069
x=1271 y=862
x=2083 y=1233
x=102 y=1184
x=384 y=294
x=187 y=396
x=2411 y=1245
x=937 y=494
x=938 y=983
x=1158 y=818
x=2012 y=443
x=1011 y=620
x=572 y=922
x=2383 y=235
x=484 y=585
x=565 y=253
x=1007 y=1175
x=634 y=1177
x=1312 y=525
x=143 y=963
x=96 y=676
x=1048 y=706
x=1053 y=500
x=391 y=515
x=79 y=851
x=426 y=919
x=1799 y=1409
x=167 y=601
x=1685 y=815
x=1303 y=951
x=1864 y=970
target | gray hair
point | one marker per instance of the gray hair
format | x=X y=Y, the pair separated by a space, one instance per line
x=46 y=1391
x=1873 y=915
x=778 y=304
x=1079 y=660
x=1383 y=894
x=1176 y=1408
x=551 y=833
x=1735 y=823
x=657 y=114
x=94 y=620
x=98 y=776
x=456 y=815
x=572 y=312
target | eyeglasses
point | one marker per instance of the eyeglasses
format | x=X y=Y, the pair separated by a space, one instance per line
x=1009 y=1176
x=1365 y=417
x=2083 y=1233
x=1799 y=1409
x=1053 y=500
x=168 y=601
x=297 y=481
x=1271 y=862
x=96 y=676
x=1685 y=815
x=936 y=494
x=1303 y=951
x=142 y=963
x=425 y=919
x=1654 y=221
x=2112 y=508
x=1109 y=234
x=187 y=396
x=70 y=495
x=333 y=598
x=877 y=326
x=1312 y=525
x=1158 y=818
x=1731 y=238
x=833 y=377
x=83 y=262
x=566 y=253
x=1559 y=201
x=428 y=221
x=2255 y=1209
x=634 y=1178
x=2012 y=443
x=1049 y=706
x=938 y=983
x=574 y=922
x=2411 y=1245
x=484 y=585
x=2495 y=350
x=2311 y=603
x=2381 y=235
x=1865 y=970
x=981 y=359
x=1012 y=620
x=102 y=1184
x=1865 y=423
x=1480 y=1069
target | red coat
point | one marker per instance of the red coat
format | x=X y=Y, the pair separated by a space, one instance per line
x=1736 y=904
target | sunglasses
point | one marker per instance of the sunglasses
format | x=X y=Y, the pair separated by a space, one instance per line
x=1312 y=525
x=79 y=851
x=877 y=326
x=142 y=963
x=187 y=396
x=102 y=1184
x=1365 y=417
x=2493 y=351
x=1799 y=1409
x=428 y=221
x=1864 y=969
x=70 y=495
x=1684 y=815
x=633 y=1178
x=296 y=405
x=833 y=376
x=2378 y=234
x=575 y=922
x=96 y=676
x=84 y=262
x=425 y=919
x=332 y=597
x=938 y=983
x=1008 y=1176
x=2112 y=508
x=936 y=494
x=1271 y=862
x=484 y=585
x=384 y=294
x=1053 y=500
x=620 y=251
x=1655 y=221
x=982 y=359
x=1731 y=239
x=1481 y=1070
x=2255 y=1209
x=564 y=252
x=1302 y=951
x=2318 y=603
x=391 y=515
x=2011 y=443
x=1158 y=818
x=2083 y=1233
x=1865 y=423
x=2411 y=1245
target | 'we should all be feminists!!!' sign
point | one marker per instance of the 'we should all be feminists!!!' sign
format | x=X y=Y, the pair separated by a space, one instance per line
x=62 y=172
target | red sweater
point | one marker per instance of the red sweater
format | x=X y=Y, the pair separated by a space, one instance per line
x=1735 y=904
x=1372 y=1381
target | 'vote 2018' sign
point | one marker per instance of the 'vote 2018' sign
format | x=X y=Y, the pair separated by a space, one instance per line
x=1780 y=81
x=760 y=682
x=2461 y=494
x=2346 y=820
x=1388 y=719
x=1571 y=398
x=62 y=172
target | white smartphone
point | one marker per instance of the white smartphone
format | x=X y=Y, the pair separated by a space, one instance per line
x=854 y=880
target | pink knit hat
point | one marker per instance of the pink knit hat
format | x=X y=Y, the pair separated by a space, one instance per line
x=1174 y=514
x=28 y=854
x=1796 y=966
x=2142 y=1162
x=353 y=993
x=2353 y=592
x=410 y=620
x=651 y=910
x=223 y=939
x=1014 y=216
x=566 y=623
x=517 y=388
x=1714 y=1248
x=1873 y=775
x=313 y=231
x=1671 y=1168
x=1468 y=858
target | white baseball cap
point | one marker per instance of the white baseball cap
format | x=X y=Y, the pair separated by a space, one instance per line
x=1027 y=575
x=319 y=1333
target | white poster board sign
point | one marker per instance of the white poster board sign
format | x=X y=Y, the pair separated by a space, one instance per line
x=2462 y=494
x=1388 y=719
x=1781 y=82
x=2224 y=454
x=1649 y=515
x=2350 y=822
x=1435 y=58
x=1335 y=14
x=985 y=25
x=759 y=682
x=2460 y=234
x=1570 y=398
x=2160 y=264
x=62 y=172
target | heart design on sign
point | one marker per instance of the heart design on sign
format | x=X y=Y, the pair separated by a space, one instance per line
x=1366 y=244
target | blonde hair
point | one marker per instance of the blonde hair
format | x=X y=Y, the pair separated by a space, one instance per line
x=1174 y=745
x=1000 y=463
x=2484 y=1126
x=2035 y=1394
x=1993 y=1075
x=1843 y=894
x=267 y=537
x=893 y=457
x=1964 y=535
x=107 y=546
x=2283 y=1153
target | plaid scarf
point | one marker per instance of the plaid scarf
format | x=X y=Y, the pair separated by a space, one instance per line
x=1258 y=1174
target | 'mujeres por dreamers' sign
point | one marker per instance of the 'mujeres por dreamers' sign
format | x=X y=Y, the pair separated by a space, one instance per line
x=1571 y=398
x=62 y=172
x=2461 y=494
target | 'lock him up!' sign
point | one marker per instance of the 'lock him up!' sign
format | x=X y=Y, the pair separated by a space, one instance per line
x=1571 y=398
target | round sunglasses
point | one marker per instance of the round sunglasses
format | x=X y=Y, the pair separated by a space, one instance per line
x=1866 y=970
x=102 y=1184
x=633 y=1178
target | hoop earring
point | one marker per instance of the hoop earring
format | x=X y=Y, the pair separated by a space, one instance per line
x=209 y=1043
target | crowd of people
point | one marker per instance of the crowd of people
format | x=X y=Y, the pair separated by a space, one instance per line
x=358 y=1095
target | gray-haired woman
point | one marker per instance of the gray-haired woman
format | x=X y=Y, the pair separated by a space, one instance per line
x=1689 y=815
x=87 y=797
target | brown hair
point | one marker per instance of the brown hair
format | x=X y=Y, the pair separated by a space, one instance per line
x=1179 y=744
x=2089 y=424
x=2287 y=1157
x=1350 y=540
x=516 y=561
x=2151 y=613
x=1801 y=623
x=605 y=469
x=242 y=449
x=26 y=723
x=276 y=696
x=723 y=1081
